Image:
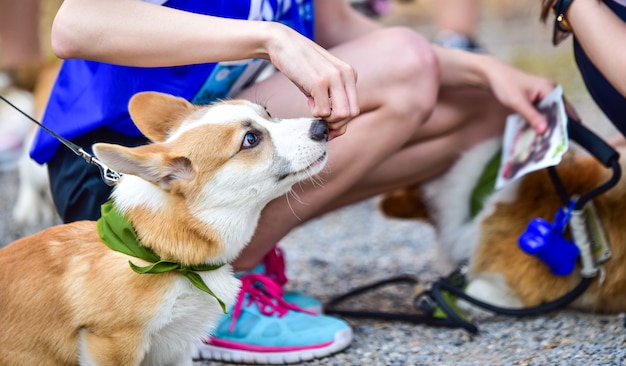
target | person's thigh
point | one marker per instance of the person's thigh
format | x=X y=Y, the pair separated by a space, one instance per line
x=382 y=60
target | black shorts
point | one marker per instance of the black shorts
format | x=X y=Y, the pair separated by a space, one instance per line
x=77 y=187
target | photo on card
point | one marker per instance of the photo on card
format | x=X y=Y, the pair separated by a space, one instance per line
x=524 y=150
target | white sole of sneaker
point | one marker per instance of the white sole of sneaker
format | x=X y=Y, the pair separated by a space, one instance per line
x=210 y=352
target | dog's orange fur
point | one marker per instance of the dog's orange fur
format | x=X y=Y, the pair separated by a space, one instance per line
x=65 y=286
x=405 y=203
x=526 y=276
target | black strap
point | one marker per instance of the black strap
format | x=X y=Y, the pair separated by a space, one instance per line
x=332 y=307
x=601 y=150
x=591 y=142
x=427 y=301
x=522 y=312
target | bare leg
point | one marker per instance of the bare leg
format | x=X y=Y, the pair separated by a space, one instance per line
x=460 y=16
x=397 y=140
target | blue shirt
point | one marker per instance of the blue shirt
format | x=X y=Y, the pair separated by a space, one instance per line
x=88 y=95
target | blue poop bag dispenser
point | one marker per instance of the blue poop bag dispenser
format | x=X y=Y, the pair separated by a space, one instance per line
x=545 y=241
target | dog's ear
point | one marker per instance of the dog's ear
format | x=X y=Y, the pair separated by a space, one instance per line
x=157 y=114
x=149 y=162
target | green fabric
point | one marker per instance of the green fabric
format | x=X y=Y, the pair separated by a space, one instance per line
x=451 y=301
x=485 y=185
x=118 y=234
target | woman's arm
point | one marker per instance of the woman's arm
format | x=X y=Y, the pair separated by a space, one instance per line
x=514 y=88
x=603 y=37
x=135 y=33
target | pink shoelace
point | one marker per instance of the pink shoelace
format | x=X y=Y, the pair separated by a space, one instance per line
x=274 y=263
x=266 y=290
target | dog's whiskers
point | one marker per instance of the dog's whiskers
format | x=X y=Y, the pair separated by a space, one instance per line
x=317 y=180
x=295 y=195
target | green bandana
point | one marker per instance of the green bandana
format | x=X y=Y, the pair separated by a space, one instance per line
x=485 y=185
x=118 y=234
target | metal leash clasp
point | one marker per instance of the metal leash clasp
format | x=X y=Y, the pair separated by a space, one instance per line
x=109 y=176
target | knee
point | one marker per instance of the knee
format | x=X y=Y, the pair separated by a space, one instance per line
x=414 y=71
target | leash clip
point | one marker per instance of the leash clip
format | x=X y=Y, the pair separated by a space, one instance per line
x=109 y=176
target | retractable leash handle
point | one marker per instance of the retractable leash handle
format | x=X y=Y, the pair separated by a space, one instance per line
x=109 y=176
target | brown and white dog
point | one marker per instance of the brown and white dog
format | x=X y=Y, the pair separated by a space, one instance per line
x=193 y=196
x=500 y=273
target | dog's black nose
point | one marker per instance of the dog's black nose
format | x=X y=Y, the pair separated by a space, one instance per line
x=319 y=130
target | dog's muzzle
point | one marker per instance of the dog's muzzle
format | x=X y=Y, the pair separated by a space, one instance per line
x=319 y=130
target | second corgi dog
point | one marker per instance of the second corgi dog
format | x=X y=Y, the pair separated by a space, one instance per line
x=500 y=272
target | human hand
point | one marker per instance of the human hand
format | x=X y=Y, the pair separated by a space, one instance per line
x=520 y=92
x=328 y=83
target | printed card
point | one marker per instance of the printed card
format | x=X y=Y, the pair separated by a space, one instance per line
x=524 y=150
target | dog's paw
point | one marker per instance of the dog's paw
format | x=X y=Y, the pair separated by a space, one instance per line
x=491 y=289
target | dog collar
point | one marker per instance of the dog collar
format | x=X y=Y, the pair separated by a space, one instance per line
x=485 y=185
x=118 y=234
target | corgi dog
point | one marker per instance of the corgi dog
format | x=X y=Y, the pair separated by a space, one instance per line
x=499 y=271
x=191 y=199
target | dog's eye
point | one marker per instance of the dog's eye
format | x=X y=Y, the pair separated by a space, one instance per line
x=250 y=139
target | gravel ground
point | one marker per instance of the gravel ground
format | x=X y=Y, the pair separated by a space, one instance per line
x=356 y=245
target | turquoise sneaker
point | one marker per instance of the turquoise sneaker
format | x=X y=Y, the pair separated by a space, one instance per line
x=262 y=328
x=273 y=266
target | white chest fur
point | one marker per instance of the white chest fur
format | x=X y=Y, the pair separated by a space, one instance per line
x=186 y=315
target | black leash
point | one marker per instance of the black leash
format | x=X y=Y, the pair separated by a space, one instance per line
x=443 y=286
x=109 y=176
x=435 y=306
x=437 y=303
x=426 y=317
